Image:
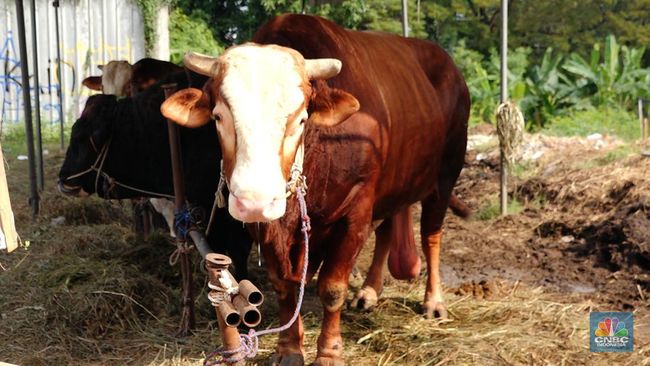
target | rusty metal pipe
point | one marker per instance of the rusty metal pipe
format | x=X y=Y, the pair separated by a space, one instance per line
x=216 y=263
x=250 y=315
x=251 y=293
x=229 y=314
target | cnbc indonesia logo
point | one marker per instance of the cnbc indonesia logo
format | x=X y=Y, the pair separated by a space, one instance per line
x=611 y=334
x=611 y=330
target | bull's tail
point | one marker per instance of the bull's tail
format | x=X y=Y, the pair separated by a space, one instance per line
x=459 y=208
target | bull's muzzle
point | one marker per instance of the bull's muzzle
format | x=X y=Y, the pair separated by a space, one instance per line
x=71 y=190
x=246 y=210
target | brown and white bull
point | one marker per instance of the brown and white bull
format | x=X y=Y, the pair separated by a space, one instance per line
x=388 y=129
x=125 y=80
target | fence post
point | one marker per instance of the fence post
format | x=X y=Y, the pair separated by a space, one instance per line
x=27 y=102
x=640 y=108
x=37 y=102
x=55 y=3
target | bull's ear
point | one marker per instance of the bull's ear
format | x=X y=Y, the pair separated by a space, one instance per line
x=100 y=67
x=93 y=82
x=330 y=106
x=188 y=107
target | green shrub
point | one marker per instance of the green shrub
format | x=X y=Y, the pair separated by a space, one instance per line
x=191 y=33
x=491 y=208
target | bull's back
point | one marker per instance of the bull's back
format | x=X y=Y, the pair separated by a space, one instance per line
x=408 y=86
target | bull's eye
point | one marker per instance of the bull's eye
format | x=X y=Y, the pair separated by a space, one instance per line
x=216 y=117
x=302 y=121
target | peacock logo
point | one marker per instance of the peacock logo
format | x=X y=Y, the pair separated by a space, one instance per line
x=611 y=327
x=611 y=331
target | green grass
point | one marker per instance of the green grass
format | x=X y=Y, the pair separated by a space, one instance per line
x=491 y=208
x=616 y=154
x=606 y=121
x=13 y=137
x=524 y=170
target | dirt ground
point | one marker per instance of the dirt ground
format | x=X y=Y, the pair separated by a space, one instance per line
x=83 y=290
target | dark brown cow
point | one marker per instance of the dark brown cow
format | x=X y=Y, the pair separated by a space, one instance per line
x=122 y=79
x=388 y=131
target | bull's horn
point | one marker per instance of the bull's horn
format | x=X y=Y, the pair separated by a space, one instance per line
x=202 y=64
x=322 y=68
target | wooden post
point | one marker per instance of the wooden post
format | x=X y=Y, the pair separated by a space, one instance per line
x=640 y=107
x=644 y=138
x=504 y=98
x=187 y=314
x=7 y=226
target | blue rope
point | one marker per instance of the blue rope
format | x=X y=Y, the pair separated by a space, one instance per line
x=183 y=220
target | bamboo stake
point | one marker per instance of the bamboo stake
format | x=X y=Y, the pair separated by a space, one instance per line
x=7 y=225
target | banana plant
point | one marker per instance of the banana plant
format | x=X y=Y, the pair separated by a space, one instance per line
x=614 y=76
x=549 y=91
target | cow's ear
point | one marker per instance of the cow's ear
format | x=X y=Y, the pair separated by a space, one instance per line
x=188 y=107
x=330 y=106
x=93 y=82
x=100 y=67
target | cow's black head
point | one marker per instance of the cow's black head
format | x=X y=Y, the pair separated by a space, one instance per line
x=90 y=134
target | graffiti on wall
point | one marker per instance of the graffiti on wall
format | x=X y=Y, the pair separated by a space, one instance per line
x=88 y=36
x=50 y=88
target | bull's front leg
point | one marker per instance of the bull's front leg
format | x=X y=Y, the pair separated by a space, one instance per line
x=290 y=350
x=333 y=289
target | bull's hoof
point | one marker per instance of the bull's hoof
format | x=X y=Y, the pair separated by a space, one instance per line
x=293 y=359
x=365 y=299
x=434 y=309
x=328 y=361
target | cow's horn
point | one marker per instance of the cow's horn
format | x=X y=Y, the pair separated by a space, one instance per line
x=202 y=64
x=322 y=68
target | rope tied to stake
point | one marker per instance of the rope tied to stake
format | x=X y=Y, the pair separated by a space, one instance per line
x=250 y=342
x=510 y=129
x=184 y=221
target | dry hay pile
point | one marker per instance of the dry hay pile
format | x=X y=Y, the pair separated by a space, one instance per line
x=86 y=292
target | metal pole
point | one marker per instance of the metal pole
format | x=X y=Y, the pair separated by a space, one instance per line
x=405 y=19
x=27 y=102
x=55 y=3
x=504 y=98
x=37 y=102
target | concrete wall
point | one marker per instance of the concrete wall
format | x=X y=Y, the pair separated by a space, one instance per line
x=92 y=33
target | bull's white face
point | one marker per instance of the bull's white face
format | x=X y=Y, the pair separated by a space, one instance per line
x=115 y=78
x=258 y=97
x=262 y=109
